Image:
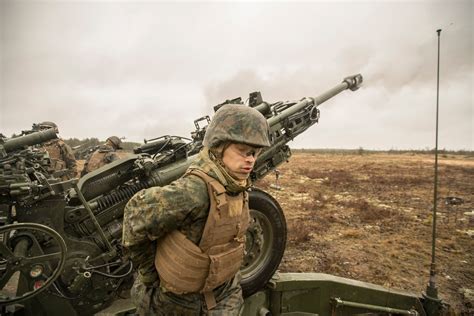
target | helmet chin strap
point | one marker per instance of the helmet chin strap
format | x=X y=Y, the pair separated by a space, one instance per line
x=218 y=154
x=218 y=151
x=230 y=182
x=240 y=181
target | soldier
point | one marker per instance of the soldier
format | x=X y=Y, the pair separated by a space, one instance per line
x=188 y=238
x=63 y=163
x=103 y=155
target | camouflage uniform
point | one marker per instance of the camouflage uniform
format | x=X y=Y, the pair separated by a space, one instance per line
x=103 y=155
x=184 y=205
x=63 y=162
x=152 y=213
x=62 y=158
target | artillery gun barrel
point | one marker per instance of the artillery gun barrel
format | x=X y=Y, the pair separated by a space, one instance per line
x=105 y=179
x=29 y=140
x=352 y=82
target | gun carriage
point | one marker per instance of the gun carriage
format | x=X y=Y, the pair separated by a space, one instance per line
x=60 y=242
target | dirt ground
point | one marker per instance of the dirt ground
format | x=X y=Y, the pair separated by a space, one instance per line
x=368 y=216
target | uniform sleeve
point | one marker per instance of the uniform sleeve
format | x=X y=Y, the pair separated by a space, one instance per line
x=68 y=157
x=152 y=213
x=110 y=157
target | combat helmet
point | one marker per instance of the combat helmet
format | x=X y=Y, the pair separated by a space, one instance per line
x=46 y=125
x=238 y=124
x=116 y=142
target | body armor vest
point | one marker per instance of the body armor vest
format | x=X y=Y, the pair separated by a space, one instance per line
x=96 y=161
x=184 y=267
x=55 y=154
x=103 y=155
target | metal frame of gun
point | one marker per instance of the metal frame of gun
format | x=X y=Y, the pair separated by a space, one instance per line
x=89 y=218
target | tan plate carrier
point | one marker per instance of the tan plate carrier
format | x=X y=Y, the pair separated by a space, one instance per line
x=97 y=159
x=55 y=155
x=184 y=267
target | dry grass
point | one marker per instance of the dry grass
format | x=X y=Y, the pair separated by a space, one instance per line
x=336 y=177
x=368 y=217
x=298 y=232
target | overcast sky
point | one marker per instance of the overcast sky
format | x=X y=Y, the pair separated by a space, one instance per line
x=146 y=69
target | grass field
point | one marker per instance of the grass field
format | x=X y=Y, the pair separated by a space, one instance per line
x=368 y=216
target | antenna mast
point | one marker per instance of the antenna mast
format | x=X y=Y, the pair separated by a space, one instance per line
x=433 y=305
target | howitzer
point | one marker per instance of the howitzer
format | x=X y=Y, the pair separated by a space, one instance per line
x=24 y=176
x=29 y=139
x=65 y=249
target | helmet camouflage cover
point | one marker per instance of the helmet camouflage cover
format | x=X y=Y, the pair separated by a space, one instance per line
x=48 y=124
x=117 y=142
x=238 y=124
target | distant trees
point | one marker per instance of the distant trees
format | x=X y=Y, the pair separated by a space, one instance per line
x=362 y=151
x=87 y=143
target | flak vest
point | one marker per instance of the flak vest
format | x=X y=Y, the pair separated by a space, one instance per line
x=97 y=159
x=185 y=267
x=55 y=154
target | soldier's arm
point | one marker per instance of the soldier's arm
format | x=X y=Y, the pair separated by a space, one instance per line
x=110 y=157
x=154 y=212
x=84 y=169
x=68 y=157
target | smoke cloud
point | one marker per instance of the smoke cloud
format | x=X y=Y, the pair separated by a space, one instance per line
x=147 y=69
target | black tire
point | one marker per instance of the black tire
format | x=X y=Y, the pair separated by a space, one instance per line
x=266 y=241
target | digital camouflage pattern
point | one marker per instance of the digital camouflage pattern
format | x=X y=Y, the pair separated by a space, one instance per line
x=154 y=212
x=100 y=157
x=62 y=158
x=239 y=124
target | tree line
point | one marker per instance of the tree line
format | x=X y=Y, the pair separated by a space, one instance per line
x=80 y=144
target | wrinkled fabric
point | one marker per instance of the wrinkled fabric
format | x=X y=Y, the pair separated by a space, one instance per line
x=62 y=158
x=210 y=163
x=150 y=215
x=100 y=157
x=152 y=300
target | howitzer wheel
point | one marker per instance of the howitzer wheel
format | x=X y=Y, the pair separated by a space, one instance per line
x=20 y=251
x=265 y=241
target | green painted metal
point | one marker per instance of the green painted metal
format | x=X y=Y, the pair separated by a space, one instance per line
x=337 y=303
x=257 y=304
x=316 y=294
x=29 y=140
x=291 y=294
